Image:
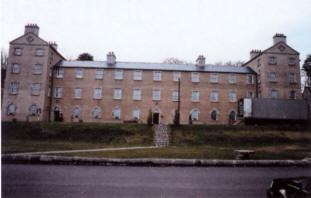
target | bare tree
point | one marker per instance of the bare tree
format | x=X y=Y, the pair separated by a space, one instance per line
x=172 y=60
x=229 y=63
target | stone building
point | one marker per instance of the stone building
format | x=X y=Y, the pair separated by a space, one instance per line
x=42 y=85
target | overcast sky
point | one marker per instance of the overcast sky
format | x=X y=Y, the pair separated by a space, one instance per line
x=152 y=30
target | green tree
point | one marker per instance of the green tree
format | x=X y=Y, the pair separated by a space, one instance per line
x=85 y=57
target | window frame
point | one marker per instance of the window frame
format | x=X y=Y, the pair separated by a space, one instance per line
x=195 y=96
x=99 y=74
x=157 y=75
x=37 y=69
x=35 y=89
x=79 y=73
x=39 y=50
x=291 y=61
x=137 y=75
x=292 y=78
x=154 y=94
x=138 y=95
x=195 y=114
x=9 y=111
x=232 y=80
x=195 y=77
x=136 y=112
x=272 y=60
x=60 y=72
x=214 y=78
x=232 y=96
x=13 y=88
x=117 y=94
x=272 y=77
x=78 y=94
x=13 y=71
x=116 y=113
x=216 y=94
x=118 y=74
x=273 y=94
x=97 y=93
x=176 y=76
x=58 y=92
x=15 y=51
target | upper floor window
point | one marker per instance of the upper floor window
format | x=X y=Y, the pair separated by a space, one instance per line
x=78 y=92
x=117 y=94
x=79 y=73
x=136 y=114
x=195 y=114
x=76 y=112
x=250 y=94
x=157 y=75
x=195 y=96
x=11 y=109
x=58 y=92
x=137 y=94
x=137 y=75
x=39 y=52
x=33 y=110
x=156 y=94
x=214 y=78
x=258 y=62
x=13 y=88
x=249 y=79
x=59 y=72
x=97 y=93
x=232 y=78
x=175 y=95
x=272 y=77
x=116 y=113
x=118 y=74
x=291 y=61
x=176 y=76
x=273 y=94
x=35 y=89
x=37 y=69
x=99 y=74
x=292 y=95
x=292 y=78
x=214 y=96
x=15 y=68
x=195 y=77
x=232 y=96
x=272 y=60
x=18 y=51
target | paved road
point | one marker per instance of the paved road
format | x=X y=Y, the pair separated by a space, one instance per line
x=113 y=181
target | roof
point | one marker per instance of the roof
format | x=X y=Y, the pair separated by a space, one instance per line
x=156 y=66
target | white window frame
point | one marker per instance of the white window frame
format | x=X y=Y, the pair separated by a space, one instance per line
x=232 y=78
x=117 y=94
x=15 y=68
x=136 y=114
x=195 y=77
x=214 y=78
x=18 y=51
x=176 y=76
x=76 y=112
x=13 y=89
x=156 y=94
x=175 y=96
x=291 y=61
x=137 y=75
x=78 y=93
x=118 y=74
x=273 y=94
x=272 y=60
x=214 y=96
x=137 y=94
x=33 y=110
x=97 y=93
x=272 y=77
x=157 y=75
x=232 y=96
x=195 y=96
x=11 y=111
x=116 y=113
x=99 y=74
x=60 y=72
x=96 y=112
x=79 y=73
x=39 y=52
x=58 y=92
x=195 y=114
x=35 y=89
x=37 y=69
x=249 y=79
x=292 y=78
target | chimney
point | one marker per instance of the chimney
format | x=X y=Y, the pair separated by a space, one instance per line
x=53 y=44
x=111 y=59
x=33 y=28
x=200 y=61
x=279 y=37
x=254 y=53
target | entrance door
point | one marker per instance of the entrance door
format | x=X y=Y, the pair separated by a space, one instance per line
x=56 y=114
x=155 y=118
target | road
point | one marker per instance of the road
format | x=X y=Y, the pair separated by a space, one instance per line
x=120 y=181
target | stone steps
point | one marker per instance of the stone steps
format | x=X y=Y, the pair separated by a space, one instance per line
x=160 y=135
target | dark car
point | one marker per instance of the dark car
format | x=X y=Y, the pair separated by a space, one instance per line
x=290 y=188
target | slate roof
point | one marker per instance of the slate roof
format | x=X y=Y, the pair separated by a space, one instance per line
x=156 y=66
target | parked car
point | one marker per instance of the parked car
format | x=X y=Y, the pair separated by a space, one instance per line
x=290 y=188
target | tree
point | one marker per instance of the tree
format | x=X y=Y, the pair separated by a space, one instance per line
x=230 y=63
x=176 y=118
x=307 y=68
x=149 y=118
x=172 y=60
x=85 y=57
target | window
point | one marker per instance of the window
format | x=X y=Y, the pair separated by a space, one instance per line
x=97 y=93
x=117 y=94
x=157 y=75
x=175 y=95
x=258 y=62
x=79 y=73
x=33 y=110
x=232 y=96
x=137 y=75
x=11 y=109
x=96 y=113
x=118 y=74
x=13 y=88
x=291 y=61
x=78 y=92
x=99 y=74
x=232 y=78
x=76 y=112
x=232 y=116
x=272 y=77
x=137 y=94
x=156 y=94
x=214 y=115
x=195 y=76
x=272 y=60
x=49 y=91
x=59 y=72
x=292 y=95
x=18 y=51
x=176 y=76
x=214 y=96
x=136 y=114
x=37 y=69
x=39 y=52
x=116 y=113
x=195 y=96
x=195 y=114
x=15 y=68
x=250 y=94
x=214 y=78
x=58 y=92
x=273 y=94
x=292 y=78
x=35 y=89
x=249 y=79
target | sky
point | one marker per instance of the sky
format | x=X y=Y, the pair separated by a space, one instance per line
x=152 y=30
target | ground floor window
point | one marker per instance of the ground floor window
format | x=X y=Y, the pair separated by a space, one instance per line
x=11 y=109
x=214 y=115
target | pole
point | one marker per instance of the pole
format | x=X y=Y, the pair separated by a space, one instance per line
x=178 y=100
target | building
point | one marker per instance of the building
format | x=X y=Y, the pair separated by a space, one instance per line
x=42 y=85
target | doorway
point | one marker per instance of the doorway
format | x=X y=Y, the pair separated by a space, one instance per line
x=155 y=118
x=57 y=116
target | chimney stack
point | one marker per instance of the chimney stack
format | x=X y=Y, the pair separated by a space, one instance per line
x=53 y=44
x=33 y=28
x=254 y=53
x=111 y=58
x=200 y=61
x=279 y=37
